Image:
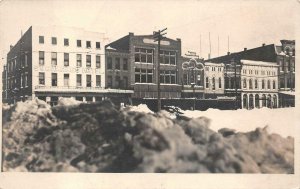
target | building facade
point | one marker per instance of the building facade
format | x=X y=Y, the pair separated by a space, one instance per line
x=141 y=52
x=259 y=84
x=214 y=80
x=286 y=72
x=53 y=62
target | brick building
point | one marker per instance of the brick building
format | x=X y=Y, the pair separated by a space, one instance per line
x=139 y=54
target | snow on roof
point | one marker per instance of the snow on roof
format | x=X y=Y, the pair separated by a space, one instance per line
x=213 y=64
x=258 y=63
x=288 y=92
x=110 y=48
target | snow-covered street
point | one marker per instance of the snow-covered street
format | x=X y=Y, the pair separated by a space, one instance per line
x=281 y=121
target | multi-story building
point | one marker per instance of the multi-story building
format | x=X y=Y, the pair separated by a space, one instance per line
x=53 y=62
x=286 y=72
x=139 y=54
x=259 y=84
x=214 y=79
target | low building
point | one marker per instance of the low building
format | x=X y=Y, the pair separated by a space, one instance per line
x=214 y=80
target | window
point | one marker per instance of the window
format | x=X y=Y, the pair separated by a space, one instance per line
x=41 y=39
x=282 y=83
x=66 y=42
x=53 y=40
x=125 y=82
x=54 y=79
x=125 y=64
x=168 y=77
x=97 y=61
x=255 y=84
x=66 y=59
x=143 y=75
x=213 y=84
x=274 y=84
x=26 y=60
x=98 y=80
x=41 y=57
x=109 y=63
x=168 y=57
x=78 y=43
x=97 y=45
x=117 y=81
x=117 y=64
x=66 y=79
x=41 y=78
x=144 y=55
x=263 y=84
x=53 y=58
x=220 y=83
x=26 y=79
x=78 y=80
x=244 y=83
x=88 y=80
x=22 y=81
x=269 y=84
x=250 y=84
x=88 y=61
x=78 y=60
x=88 y=44
x=206 y=82
x=109 y=81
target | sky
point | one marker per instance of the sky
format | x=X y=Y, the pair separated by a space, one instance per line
x=248 y=23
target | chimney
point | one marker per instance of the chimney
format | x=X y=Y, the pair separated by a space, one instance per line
x=10 y=47
x=263 y=44
x=228 y=53
x=178 y=39
x=131 y=33
x=208 y=55
x=245 y=49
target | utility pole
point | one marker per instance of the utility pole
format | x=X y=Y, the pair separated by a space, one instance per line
x=158 y=36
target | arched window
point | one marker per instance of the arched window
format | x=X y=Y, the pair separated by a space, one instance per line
x=274 y=84
x=251 y=106
x=232 y=83
x=226 y=83
x=269 y=84
x=269 y=99
x=264 y=99
x=250 y=84
x=245 y=101
x=263 y=84
x=220 y=82
x=213 y=84
x=256 y=101
x=245 y=83
x=255 y=84
x=206 y=82
x=274 y=101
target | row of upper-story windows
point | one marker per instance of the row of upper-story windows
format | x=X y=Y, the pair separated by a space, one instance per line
x=14 y=65
x=66 y=42
x=143 y=55
x=15 y=82
x=54 y=59
x=116 y=64
x=118 y=82
x=256 y=72
x=211 y=83
x=66 y=80
x=213 y=69
x=254 y=84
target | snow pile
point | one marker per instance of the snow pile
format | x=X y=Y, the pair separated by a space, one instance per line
x=100 y=138
x=68 y=102
x=280 y=121
x=140 y=108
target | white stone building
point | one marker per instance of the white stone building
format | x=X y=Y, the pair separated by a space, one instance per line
x=213 y=79
x=259 y=84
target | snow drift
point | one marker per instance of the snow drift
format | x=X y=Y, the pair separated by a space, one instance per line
x=100 y=138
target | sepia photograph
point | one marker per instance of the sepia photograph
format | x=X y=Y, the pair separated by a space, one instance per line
x=202 y=87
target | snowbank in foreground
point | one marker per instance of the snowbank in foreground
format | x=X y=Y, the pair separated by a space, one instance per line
x=280 y=121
